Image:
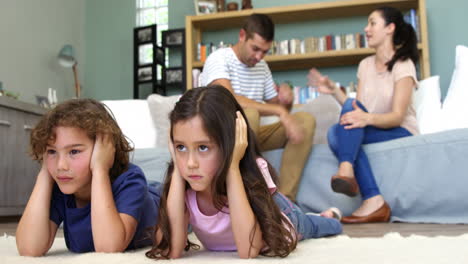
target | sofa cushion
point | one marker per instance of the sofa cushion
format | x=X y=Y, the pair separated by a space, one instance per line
x=160 y=107
x=324 y=108
x=140 y=131
x=427 y=104
x=455 y=107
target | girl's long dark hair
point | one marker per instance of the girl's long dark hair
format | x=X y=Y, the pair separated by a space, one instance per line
x=404 y=37
x=217 y=107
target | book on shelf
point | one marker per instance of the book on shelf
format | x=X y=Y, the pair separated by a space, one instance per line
x=303 y=95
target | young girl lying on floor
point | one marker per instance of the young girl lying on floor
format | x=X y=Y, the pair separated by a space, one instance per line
x=219 y=183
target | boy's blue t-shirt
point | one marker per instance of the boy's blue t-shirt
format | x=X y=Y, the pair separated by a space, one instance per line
x=132 y=196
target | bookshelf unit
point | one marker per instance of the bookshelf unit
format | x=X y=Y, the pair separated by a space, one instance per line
x=196 y=25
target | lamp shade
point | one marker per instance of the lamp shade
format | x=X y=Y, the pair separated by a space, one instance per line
x=66 y=56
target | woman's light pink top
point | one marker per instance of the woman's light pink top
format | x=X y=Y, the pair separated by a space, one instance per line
x=377 y=89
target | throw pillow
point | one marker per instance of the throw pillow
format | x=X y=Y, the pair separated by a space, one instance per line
x=427 y=104
x=326 y=111
x=136 y=124
x=160 y=107
x=455 y=107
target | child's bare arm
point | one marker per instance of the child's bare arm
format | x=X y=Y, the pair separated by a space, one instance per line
x=177 y=213
x=112 y=231
x=242 y=216
x=36 y=232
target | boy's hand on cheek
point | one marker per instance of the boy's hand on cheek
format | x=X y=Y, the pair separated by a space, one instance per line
x=44 y=174
x=103 y=153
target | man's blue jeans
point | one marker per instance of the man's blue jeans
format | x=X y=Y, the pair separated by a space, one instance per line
x=346 y=144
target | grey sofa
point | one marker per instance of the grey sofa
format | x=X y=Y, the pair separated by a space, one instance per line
x=424 y=178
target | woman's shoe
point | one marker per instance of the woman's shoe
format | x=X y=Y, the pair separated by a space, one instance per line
x=344 y=185
x=380 y=215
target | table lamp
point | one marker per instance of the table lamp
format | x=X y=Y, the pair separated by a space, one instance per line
x=66 y=58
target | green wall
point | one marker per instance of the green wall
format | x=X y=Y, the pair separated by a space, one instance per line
x=109 y=49
x=109 y=43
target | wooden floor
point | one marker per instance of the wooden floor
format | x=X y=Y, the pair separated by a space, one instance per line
x=8 y=226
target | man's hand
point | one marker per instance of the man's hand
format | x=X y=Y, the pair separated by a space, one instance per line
x=294 y=130
x=285 y=94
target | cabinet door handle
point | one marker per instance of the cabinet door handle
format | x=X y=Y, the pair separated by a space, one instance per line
x=27 y=127
x=5 y=123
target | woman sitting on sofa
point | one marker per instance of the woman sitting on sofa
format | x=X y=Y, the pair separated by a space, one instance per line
x=381 y=112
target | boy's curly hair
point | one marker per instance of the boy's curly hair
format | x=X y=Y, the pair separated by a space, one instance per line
x=89 y=115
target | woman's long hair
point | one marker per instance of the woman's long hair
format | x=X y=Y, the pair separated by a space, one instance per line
x=404 y=37
x=217 y=107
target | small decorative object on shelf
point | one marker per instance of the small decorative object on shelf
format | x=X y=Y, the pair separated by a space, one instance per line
x=205 y=6
x=42 y=101
x=221 y=5
x=1 y=89
x=232 y=6
x=247 y=4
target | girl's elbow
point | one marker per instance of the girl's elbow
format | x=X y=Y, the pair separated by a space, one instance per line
x=175 y=255
x=246 y=253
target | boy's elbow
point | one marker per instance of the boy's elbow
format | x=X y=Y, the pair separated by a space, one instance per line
x=31 y=252
x=109 y=248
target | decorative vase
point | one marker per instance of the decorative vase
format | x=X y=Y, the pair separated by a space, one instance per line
x=247 y=4
x=231 y=6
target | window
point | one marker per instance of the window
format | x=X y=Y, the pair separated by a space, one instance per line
x=153 y=12
x=150 y=12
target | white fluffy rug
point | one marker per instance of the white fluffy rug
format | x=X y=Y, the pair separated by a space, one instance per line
x=392 y=248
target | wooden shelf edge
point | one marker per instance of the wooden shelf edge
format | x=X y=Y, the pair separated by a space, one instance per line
x=309 y=11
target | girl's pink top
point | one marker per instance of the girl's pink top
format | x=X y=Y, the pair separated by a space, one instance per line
x=215 y=231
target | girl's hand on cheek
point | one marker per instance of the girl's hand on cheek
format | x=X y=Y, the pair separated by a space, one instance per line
x=241 y=142
x=103 y=153
x=173 y=157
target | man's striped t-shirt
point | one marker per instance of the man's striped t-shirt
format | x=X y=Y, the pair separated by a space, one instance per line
x=255 y=82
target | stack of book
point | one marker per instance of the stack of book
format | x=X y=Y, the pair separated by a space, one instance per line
x=319 y=44
x=204 y=50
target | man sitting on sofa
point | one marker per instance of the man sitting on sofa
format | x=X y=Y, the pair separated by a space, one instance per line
x=242 y=70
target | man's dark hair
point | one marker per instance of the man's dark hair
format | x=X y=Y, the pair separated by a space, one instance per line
x=260 y=24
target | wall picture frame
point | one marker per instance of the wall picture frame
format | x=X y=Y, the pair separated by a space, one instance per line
x=146 y=34
x=205 y=6
x=173 y=37
x=174 y=75
x=145 y=74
